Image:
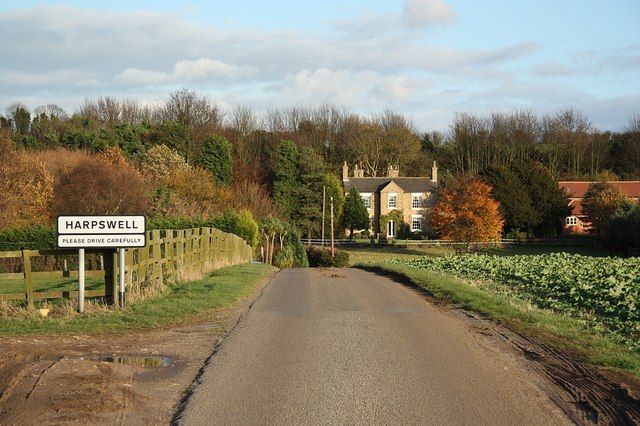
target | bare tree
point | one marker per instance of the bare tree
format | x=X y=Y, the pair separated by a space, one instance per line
x=50 y=111
x=196 y=114
x=243 y=120
x=633 y=123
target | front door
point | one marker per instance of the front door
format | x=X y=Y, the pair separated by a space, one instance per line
x=391 y=229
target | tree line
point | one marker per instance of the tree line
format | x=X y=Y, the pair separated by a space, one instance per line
x=188 y=158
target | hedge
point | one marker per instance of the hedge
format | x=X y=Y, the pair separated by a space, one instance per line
x=44 y=237
x=321 y=257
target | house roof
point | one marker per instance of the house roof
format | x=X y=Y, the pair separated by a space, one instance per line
x=631 y=188
x=576 y=207
x=376 y=184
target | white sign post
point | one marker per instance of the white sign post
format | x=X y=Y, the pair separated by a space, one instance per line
x=81 y=280
x=99 y=232
x=121 y=276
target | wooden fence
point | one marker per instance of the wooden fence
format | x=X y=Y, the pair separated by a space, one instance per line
x=169 y=256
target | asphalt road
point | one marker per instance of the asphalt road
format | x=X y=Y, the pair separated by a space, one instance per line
x=346 y=346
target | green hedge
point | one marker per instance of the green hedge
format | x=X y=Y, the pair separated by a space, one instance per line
x=321 y=257
x=30 y=238
x=44 y=237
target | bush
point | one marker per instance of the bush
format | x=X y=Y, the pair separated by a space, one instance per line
x=321 y=257
x=100 y=187
x=292 y=240
x=30 y=238
x=622 y=232
x=241 y=224
x=26 y=187
x=285 y=258
x=191 y=192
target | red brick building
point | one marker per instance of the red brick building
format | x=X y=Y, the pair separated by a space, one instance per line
x=578 y=223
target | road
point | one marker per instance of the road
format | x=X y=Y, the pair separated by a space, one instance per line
x=345 y=346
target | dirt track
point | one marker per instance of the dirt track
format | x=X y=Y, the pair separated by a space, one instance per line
x=60 y=380
x=57 y=380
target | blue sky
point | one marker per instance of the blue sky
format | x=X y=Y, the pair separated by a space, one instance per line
x=427 y=59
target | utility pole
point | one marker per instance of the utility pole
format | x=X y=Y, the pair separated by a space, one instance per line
x=324 y=196
x=332 y=246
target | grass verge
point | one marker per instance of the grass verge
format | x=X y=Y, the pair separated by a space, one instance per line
x=182 y=302
x=569 y=334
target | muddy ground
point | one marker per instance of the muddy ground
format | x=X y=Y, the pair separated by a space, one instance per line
x=72 y=379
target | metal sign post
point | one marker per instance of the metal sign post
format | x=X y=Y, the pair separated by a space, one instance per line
x=81 y=280
x=121 y=275
x=101 y=232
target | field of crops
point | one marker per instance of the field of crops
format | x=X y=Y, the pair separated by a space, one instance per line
x=605 y=291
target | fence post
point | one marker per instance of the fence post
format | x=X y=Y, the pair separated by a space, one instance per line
x=28 y=282
x=158 y=279
x=110 y=281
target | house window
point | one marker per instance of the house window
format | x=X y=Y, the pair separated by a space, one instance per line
x=366 y=198
x=416 y=201
x=572 y=221
x=416 y=223
x=392 y=201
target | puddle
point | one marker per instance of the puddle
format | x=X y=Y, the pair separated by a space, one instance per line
x=144 y=361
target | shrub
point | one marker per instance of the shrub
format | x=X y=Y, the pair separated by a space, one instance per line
x=254 y=197
x=29 y=237
x=292 y=241
x=190 y=192
x=321 y=257
x=98 y=187
x=26 y=187
x=159 y=161
x=285 y=258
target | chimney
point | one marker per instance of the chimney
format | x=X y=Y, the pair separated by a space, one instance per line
x=434 y=172
x=393 y=171
x=358 y=172
x=345 y=172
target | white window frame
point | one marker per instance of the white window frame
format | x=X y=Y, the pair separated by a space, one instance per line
x=571 y=220
x=419 y=218
x=394 y=196
x=415 y=195
x=366 y=198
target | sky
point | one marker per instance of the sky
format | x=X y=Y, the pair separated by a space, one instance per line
x=426 y=59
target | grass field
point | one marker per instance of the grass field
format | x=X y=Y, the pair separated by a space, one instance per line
x=182 y=302
x=16 y=285
x=376 y=253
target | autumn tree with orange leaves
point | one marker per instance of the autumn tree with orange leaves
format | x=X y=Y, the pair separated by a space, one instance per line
x=465 y=211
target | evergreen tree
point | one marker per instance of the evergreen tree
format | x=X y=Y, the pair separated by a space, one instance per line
x=333 y=189
x=355 y=213
x=600 y=203
x=215 y=157
x=515 y=203
x=308 y=194
x=285 y=178
x=551 y=202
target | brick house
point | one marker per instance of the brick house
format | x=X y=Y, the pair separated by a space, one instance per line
x=382 y=195
x=578 y=223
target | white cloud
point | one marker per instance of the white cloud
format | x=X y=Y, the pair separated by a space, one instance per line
x=422 y=13
x=54 y=54
x=204 y=68
x=136 y=76
x=186 y=71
